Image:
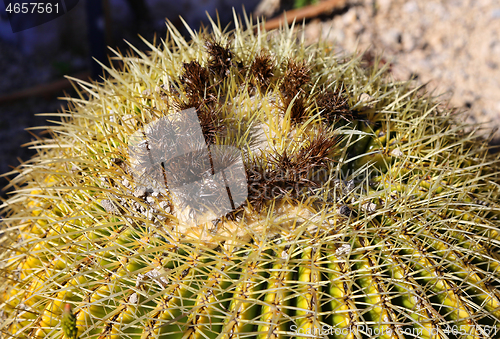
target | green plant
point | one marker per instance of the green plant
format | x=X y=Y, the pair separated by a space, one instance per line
x=302 y=3
x=371 y=209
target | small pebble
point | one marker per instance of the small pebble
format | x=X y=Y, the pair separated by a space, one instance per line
x=369 y=207
x=165 y=205
x=126 y=183
x=396 y=153
x=109 y=206
x=343 y=250
x=133 y=299
x=495 y=13
x=410 y=7
x=140 y=192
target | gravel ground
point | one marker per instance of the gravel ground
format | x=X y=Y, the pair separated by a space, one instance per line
x=452 y=45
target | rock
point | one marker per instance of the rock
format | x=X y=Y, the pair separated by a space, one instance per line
x=495 y=13
x=391 y=37
x=350 y=17
x=383 y=5
x=109 y=206
x=410 y=7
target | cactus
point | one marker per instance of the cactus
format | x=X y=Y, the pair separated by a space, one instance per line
x=68 y=322
x=359 y=207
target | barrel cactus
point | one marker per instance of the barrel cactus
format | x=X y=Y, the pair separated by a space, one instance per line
x=244 y=185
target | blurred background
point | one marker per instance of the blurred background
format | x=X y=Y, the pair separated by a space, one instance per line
x=452 y=46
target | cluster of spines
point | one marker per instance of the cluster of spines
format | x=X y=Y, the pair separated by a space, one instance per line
x=201 y=85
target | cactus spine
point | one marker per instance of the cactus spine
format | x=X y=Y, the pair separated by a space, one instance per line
x=369 y=209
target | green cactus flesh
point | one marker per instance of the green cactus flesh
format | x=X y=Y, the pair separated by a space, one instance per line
x=371 y=208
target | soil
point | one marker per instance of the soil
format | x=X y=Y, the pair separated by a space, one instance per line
x=453 y=46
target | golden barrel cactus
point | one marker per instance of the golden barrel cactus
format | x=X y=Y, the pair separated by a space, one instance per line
x=244 y=185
